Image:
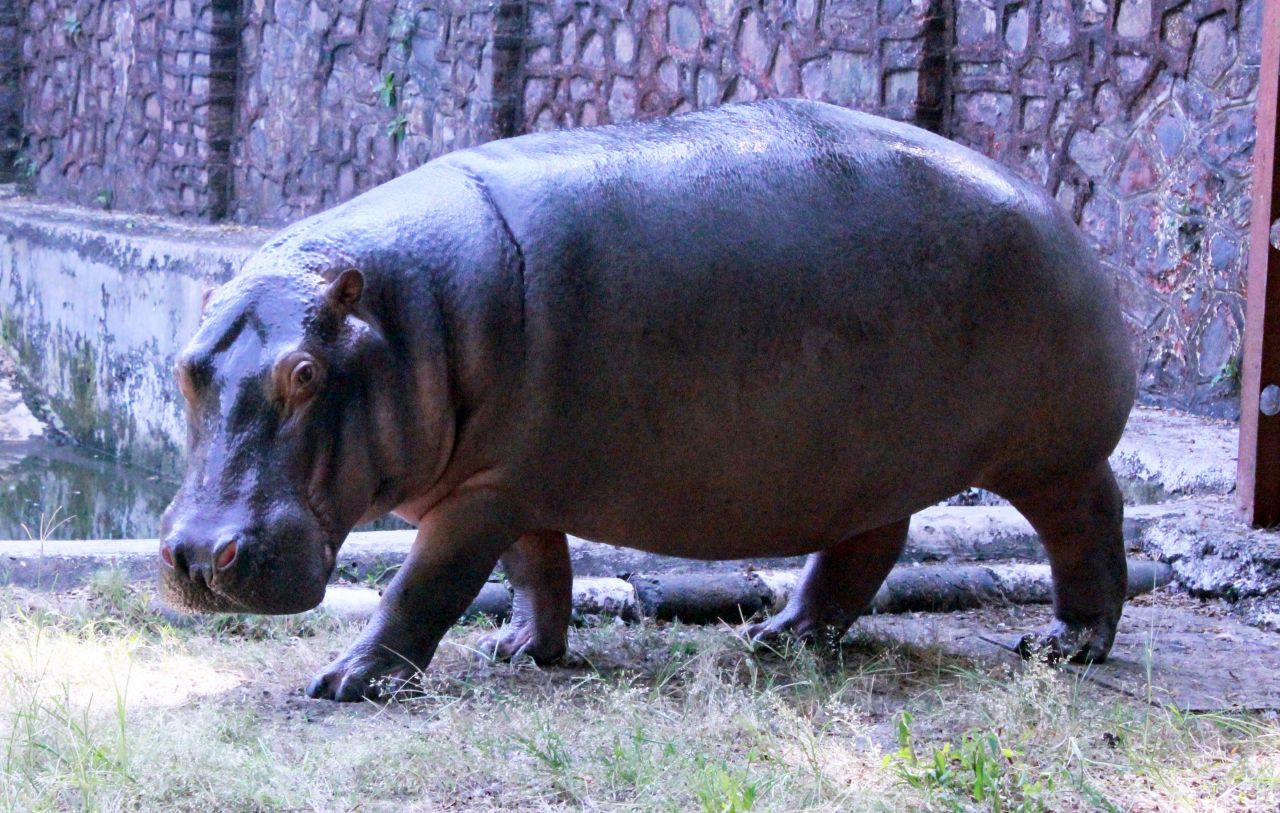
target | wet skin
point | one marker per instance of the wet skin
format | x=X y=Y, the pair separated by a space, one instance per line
x=767 y=329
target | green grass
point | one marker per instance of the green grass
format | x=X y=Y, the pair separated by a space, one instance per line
x=106 y=705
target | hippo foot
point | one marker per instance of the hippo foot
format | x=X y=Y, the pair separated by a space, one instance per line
x=363 y=675
x=1074 y=642
x=514 y=642
x=798 y=626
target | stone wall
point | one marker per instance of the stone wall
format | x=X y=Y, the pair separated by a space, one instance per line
x=1139 y=117
x=337 y=96
x=10 y=104
x=127 y=103
x=377 y=87
x=614 y=60
x=1136 y=114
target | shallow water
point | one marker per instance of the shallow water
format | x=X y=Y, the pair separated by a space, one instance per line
x=75 y=494
x=83 y=495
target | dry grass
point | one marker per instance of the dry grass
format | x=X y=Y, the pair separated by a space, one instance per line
x=105 y=706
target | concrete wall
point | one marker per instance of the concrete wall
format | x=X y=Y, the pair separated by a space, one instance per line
x=95 y=307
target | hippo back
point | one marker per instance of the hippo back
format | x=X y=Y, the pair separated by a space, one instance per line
x=802 y=291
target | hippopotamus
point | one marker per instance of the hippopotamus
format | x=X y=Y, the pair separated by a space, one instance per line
x=776 y=328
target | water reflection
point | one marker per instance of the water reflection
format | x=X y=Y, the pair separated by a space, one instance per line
x=97 y=497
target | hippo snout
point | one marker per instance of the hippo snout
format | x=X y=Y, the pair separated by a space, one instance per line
x=280 y=569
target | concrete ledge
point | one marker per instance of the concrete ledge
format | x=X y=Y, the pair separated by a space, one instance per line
x=1215 y=555
x=938 y=534
x=1166 y=454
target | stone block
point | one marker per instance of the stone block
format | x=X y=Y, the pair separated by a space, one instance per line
x=1137 y=171
x=976 y=24
x=1133 y=18
x=1212 y=52
x=683 y=28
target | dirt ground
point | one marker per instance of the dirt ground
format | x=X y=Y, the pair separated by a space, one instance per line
x=105 y=705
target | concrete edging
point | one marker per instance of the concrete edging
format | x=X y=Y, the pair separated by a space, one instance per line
x=733 y=597
x=938 y=534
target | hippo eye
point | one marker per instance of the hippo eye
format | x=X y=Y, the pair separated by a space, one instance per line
x=303 y=377
x=296 y=378
x=304 y=373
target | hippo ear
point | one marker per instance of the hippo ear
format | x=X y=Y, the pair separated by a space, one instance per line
x=344 y=292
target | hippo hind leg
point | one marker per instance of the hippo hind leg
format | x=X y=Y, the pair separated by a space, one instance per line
x=537 y=566
x=1081 y=524
x=837 y=585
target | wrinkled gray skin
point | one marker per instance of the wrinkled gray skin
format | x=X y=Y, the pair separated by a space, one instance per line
x=767 y=329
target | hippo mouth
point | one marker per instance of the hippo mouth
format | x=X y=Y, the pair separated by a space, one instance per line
x=197 y=595
x=275 y=576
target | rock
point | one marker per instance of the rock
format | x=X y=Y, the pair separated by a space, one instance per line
x=606 y=596
x=1214 y=554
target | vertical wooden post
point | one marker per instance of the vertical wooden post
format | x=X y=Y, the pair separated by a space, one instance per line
x=1258 y=475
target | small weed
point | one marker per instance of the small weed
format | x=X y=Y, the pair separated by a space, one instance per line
x=979 y=769
x=635 y=761
x=72 y=27
x=104 y=198
x=397 y=127
x=1228 y=374
x=25 y=166
x=547 y=748
x=374 y=577
x=386 y=89
x=47 y=527
x=402 y=28
x=110 y=588
x=379 y=577
x=721 y=790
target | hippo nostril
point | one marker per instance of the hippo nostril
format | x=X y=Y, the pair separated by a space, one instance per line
x=225 y=555
x=176 y=554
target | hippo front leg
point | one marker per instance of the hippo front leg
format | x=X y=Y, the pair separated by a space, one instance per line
x=457 y=546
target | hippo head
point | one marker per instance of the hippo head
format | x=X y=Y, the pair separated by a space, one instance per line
x=281 y=384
